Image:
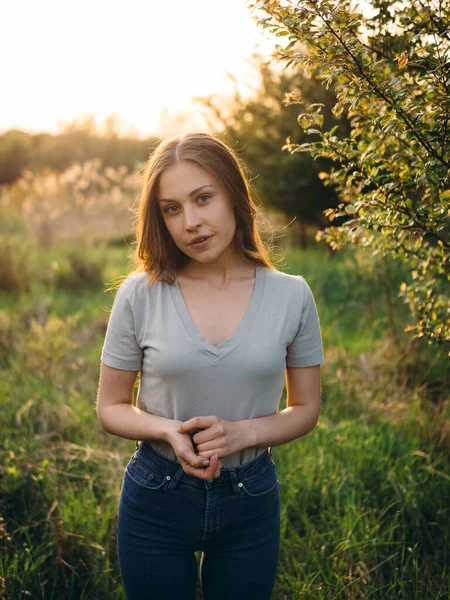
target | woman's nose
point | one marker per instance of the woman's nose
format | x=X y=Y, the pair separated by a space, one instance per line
x=191 y=218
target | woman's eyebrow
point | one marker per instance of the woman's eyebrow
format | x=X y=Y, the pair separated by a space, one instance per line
x=190 y=193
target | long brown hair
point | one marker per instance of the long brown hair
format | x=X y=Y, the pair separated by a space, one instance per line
x=155 y=251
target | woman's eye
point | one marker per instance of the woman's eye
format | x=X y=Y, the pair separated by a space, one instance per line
x=171 y=212
x=167 y=210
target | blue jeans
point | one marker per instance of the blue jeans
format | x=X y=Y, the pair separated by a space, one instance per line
x=165 y=516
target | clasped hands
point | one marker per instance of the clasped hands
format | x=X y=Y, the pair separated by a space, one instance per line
x=203 y=439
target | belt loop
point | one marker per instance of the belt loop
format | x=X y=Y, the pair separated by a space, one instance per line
x=234 y=482
x=176 y=478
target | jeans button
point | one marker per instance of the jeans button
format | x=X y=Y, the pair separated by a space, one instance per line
x=168 y=477
x=240 y=484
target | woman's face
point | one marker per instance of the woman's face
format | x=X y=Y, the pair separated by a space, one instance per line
x=194 y=203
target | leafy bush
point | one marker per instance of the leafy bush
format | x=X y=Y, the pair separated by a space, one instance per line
x=390 y=71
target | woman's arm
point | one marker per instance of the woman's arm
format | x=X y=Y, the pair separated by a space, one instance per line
x=298 y=418
x=117 y=414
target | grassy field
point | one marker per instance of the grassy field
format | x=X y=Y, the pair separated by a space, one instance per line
x=365 y=496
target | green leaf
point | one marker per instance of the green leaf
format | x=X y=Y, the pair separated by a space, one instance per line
x=337 y=109
x=305 y=120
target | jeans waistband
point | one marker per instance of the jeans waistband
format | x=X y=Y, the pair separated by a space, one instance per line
x=166 y=466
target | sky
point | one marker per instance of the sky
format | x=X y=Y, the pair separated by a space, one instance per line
x=141 y=60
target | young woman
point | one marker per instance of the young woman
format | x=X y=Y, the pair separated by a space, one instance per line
x=215 y=331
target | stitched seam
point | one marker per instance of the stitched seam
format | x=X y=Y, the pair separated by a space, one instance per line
x=142 y=485
x=262 y=493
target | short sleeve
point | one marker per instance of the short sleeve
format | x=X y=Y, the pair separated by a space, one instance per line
x=121 y=349
x=306 y=348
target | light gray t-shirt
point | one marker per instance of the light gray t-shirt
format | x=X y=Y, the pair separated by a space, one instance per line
x=183 y=376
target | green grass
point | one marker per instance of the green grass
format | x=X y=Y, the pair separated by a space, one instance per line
x=351 y=295
x=361 y=511
x=365 y=496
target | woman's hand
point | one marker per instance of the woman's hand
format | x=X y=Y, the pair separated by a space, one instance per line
x=192 y=463
x=216 y=436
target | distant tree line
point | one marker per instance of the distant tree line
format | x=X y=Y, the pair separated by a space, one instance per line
x=20 y=150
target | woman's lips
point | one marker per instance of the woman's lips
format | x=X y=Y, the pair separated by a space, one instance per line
x=201 y=244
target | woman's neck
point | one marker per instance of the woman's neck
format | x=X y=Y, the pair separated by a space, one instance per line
x=218 y=275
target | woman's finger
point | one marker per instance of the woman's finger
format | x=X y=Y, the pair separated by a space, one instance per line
x=211 y=470
x=219 y=466
x=207 y=447
x=195 y=460
x=208 y=473
x=201 y=472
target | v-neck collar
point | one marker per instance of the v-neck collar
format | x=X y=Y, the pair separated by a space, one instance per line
x=215 y=353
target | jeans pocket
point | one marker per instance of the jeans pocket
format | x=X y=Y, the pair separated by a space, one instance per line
x=255 y=486
x=142 y=477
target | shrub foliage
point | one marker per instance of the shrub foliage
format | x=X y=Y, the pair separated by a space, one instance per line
x=391 y=69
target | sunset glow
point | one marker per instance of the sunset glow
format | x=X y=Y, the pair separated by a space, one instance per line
x=141 y=60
